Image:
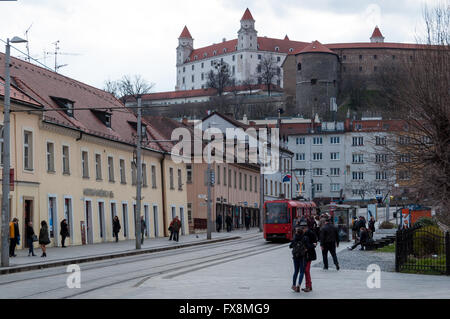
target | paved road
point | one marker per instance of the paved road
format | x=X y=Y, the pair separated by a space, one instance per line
x=247 y=268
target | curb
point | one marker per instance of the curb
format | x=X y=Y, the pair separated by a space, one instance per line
x=79 y=260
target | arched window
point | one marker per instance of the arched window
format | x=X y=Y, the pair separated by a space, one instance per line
x=205 y=54
x=195 y=57
x=277 y=49
x=291 y=49
x=214 y=52
x=299 y=66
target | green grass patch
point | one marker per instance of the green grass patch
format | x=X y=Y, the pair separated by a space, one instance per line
x=387 y=249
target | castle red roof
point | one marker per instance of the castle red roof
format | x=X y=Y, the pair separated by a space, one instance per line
x=316 y=47
x=185 y=33
x=247 y=15
x=376 y=33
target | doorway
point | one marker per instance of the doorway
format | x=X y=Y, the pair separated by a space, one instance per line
x=53 y=219
x=27 y=217
x=88 y=217
x=101 y=220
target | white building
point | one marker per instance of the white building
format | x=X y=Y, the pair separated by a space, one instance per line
x=242 y=55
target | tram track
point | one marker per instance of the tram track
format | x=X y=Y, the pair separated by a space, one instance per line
x=130 y=259
x=181 y=267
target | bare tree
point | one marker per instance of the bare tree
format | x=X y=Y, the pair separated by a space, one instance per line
x=220 y=78
x=112 y=87
x=128 y=86
x=268 y=71
x=420 y=93
x=248 y=83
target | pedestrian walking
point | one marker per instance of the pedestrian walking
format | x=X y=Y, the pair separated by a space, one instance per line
x=176 y=225
x=116 y=228
x=44 y=239
x=64 y=232
x=30 y=238
x=299 y=246
x=218 y=223
x=247 y=221
x=372 y=224
x=329 y=240
x=171 y=230
x=354 y=227
x=228 y=221
x=311 y=254
x=14 y=237
x=143 y=229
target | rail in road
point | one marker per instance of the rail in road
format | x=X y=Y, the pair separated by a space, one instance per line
x=251 y=246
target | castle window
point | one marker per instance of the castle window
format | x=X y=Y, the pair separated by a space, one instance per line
x=375 y=57
x=277 y=49
x=360 y=57
x=214 y=52
x=278 y=59
x=205 y=54
x=313 y=81
x=344 y=57
x=241 y=56
x=360 y=69
x=224 y=50
x=259 y=56
x=257 y=46
x=299 y=66
x=291 y=49
x=375 y=69
x=393 y=57
x=195 y=57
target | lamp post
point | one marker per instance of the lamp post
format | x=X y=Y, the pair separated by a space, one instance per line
x=6 y=155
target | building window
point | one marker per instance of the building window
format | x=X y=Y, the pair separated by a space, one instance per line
x=381 y=175
x=240 y=180
x=111 y=169
x=235 y=180
x=360 y=57
x=335 y=187
x=302 y=172
x=318 y=171
x=335 y=171
x=375 y=69
x=144 y=175
x=404 y=175
x=122 y=171
x=335 y=156
x=313 y=81
x=171 y=178
x=189 y=173
x=357 y=175
x=357 y=141
x=381 y=158
x=229 y=177
x=357 y=158
x=184 y=69
x=317 y=141
x=224 y=176
x=154 y=176
x=335 y=140
x=360 y=69
x=245 y=182
x=250 y=182
x=65 y=159
x=1 y=144
x=28 y=150
x=180 y=182
x=98 y=167
x=375 y=57
x=50 y=157
x=278 y=59
x=317 y=156
x=318 y=188
x=133 y=173
x=85 y=164
x=300 y=140
x=380 y=140
x=300 y=156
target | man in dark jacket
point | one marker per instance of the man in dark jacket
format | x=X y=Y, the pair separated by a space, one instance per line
x=247 y=221
x=329 y=240
x=228 y=221
x=64 y=232
x=116 y=227
x=176 y=225
x=218 y=223
x=14 y=237
x=143 y=229
x=311 y=255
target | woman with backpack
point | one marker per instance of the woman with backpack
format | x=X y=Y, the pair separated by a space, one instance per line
x=299 y=246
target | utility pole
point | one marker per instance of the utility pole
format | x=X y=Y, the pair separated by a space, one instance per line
x=209 y=177
x=261 y=191
x=137 y=214
x=6 y=154
x=6 y=163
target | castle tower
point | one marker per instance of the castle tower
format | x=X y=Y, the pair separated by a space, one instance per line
x=376 y=37
x=247 y=35
x=317 y=80
x=185 y=46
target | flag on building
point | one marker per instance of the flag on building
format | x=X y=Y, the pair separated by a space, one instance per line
x=287 y=178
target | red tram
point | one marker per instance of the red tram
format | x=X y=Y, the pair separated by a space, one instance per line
x=281 y=216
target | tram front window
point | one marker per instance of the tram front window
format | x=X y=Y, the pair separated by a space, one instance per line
x=277 y=213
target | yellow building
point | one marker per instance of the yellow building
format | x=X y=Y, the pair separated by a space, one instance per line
x=75 y=161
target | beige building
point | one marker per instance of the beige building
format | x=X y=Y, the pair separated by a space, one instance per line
x=76 y=161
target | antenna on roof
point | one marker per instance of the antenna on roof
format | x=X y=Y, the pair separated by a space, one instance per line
x=56 y=53
x=28 y=42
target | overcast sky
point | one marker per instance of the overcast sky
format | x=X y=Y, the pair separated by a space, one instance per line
x=112 y=38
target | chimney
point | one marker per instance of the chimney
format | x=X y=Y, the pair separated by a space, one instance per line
x=347 y=124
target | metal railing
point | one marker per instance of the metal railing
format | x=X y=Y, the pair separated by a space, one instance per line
x=422 y=250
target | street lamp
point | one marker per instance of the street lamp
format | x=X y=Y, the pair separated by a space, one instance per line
x=6 y=154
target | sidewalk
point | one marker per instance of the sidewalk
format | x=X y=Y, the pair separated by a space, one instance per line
x=58 y=256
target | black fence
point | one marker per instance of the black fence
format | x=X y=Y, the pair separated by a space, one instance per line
x=422 y=250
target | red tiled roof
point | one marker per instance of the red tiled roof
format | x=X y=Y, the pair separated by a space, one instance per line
x=378 y=125
x=16 y=94
x=376 y=33
x=265 y=44
x=185 y=33
x=379 y=45
x=197 y=93
x=41 y=84
x=247 y=15
x=316 y=47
